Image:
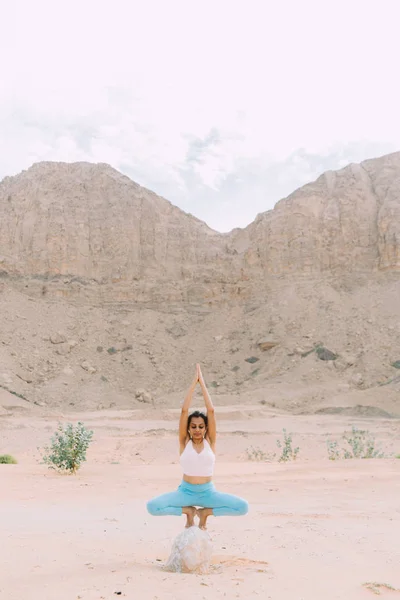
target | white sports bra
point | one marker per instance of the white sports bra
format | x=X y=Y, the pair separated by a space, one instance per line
x=197 y=464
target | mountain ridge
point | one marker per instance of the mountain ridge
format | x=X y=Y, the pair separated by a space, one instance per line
x=90 y=224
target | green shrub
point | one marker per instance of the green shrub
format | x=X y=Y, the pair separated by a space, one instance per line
x=7 y=459
x=288 y=452
x=362 y=445
x=68 y=447
x=333 y=450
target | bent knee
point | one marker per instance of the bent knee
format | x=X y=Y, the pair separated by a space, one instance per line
x=242 y=507
x=152 y=507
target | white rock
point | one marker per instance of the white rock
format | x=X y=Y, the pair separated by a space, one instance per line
x=191 y=552
x=143 y=396
x=357 y=379
x=88 y=367
x=58 y=338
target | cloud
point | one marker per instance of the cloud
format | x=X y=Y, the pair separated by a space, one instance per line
x=255 y=185
x=221 y=107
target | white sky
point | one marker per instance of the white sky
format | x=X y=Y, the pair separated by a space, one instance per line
x=221 y=106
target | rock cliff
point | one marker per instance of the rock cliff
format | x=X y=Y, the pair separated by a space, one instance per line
x=345 y=221
x=88 y=224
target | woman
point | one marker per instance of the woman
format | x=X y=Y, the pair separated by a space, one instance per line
x=197 y=437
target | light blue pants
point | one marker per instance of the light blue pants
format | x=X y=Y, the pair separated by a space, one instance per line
x=203 y=495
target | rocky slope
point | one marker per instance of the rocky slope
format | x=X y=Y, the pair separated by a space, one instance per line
x=107 y=290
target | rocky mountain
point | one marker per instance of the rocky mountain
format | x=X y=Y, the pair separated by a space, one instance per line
x=346 y=221
x=109 y=294
x=90 y=225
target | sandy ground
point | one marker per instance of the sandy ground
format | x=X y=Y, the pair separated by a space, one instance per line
x=316 y=528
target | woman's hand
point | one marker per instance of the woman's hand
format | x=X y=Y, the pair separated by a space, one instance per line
x=196 y=377
x=199 y=374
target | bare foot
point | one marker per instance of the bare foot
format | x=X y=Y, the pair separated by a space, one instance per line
x=203 y=514
x=190 y=513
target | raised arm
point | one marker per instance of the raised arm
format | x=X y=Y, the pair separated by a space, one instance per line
x=212 y=424
x=183 y=421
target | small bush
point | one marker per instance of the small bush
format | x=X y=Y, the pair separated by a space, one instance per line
x=362 y=445
x=288 y=452
x=68 y=447
x=258 y=455
x=7 y=459
x=333 y=450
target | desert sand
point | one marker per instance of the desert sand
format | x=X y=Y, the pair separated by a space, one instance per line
x=316 y=528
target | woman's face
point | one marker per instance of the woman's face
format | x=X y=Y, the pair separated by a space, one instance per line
x=197 y=428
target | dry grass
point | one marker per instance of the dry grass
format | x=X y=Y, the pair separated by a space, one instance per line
x=376 y=588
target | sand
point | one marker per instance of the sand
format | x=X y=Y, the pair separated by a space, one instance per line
x=316 y=528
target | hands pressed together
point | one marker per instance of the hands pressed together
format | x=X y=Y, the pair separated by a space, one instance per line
x=199 y=375
x=198 y=378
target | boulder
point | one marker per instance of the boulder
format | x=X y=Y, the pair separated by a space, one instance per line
x=143 y=396
x=88 y=367
x=176 y=330
x=357 y=380
x=325 y=354
x=58 y=338
x=191 y=552
x=267 y=343
x=252 y=359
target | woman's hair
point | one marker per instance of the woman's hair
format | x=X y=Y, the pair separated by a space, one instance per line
x=195 y=415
